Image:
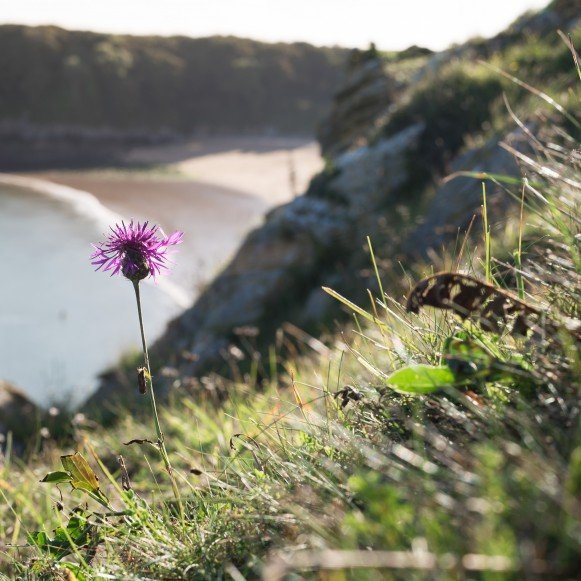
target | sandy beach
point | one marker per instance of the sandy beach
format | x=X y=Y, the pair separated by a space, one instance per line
x=215 y=190
x=268 y=170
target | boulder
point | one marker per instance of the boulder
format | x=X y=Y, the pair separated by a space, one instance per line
x=367 y=176
x=453 y=205
x=18 y=414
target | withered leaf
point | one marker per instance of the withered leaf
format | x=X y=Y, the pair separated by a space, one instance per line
x=139 y=441
x=347 y=394
x=492 y=308
x=125 y=482
x=142 y=378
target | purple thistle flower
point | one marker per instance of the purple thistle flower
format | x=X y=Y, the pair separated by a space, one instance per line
x=136 y=250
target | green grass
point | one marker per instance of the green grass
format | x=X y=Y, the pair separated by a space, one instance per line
x=465 y=101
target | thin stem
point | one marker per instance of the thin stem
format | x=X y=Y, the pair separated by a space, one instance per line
x=520 y=284
x=487 y=242
x=160 y=439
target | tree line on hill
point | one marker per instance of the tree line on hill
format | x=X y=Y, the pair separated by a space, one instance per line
x=56 y=77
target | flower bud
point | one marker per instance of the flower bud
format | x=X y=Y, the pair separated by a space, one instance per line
x=141 y=382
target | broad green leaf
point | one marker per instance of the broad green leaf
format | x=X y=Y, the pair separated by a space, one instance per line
x=54 y=547
x=38 y=538
x=420 y=379
x=77 y=535
x=82 y=474
x=57 y=477
x=472 y=361
x=60 y=537
x=83 y=477
x=77 y=524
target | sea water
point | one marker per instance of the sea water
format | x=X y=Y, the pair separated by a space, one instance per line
x=61 y=323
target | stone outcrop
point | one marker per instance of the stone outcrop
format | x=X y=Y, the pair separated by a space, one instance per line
x=362 y=101
x=454 y=204
x=18 y=415
x=371 y=86
x=366 y=176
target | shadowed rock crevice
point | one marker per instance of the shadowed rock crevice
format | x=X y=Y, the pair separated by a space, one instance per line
x=19 y=416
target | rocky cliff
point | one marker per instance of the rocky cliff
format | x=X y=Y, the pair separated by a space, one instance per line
x=398 y=125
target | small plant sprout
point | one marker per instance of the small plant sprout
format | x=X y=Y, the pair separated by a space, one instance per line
x=137 y=251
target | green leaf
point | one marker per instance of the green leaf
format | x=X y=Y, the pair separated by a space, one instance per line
x=57 y=477
x=420 y=379
x=75 y=536
x=77 y=524
x=38 y=538
x=83 y=477
x=80 y=471
x=54 y=547
x=472 y=361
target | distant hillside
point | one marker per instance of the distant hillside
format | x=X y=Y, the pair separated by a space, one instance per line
x=52 y=77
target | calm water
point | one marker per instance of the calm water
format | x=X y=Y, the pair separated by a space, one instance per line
x=60 y=322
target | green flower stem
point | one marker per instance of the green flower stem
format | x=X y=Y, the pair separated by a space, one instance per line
x=160 y=439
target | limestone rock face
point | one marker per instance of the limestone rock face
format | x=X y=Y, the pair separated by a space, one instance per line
x=367 y=175
x=456 y=202
x=366 y=94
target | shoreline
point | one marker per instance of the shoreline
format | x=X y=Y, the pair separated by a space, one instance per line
x=215 y=190
x=270 y=169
